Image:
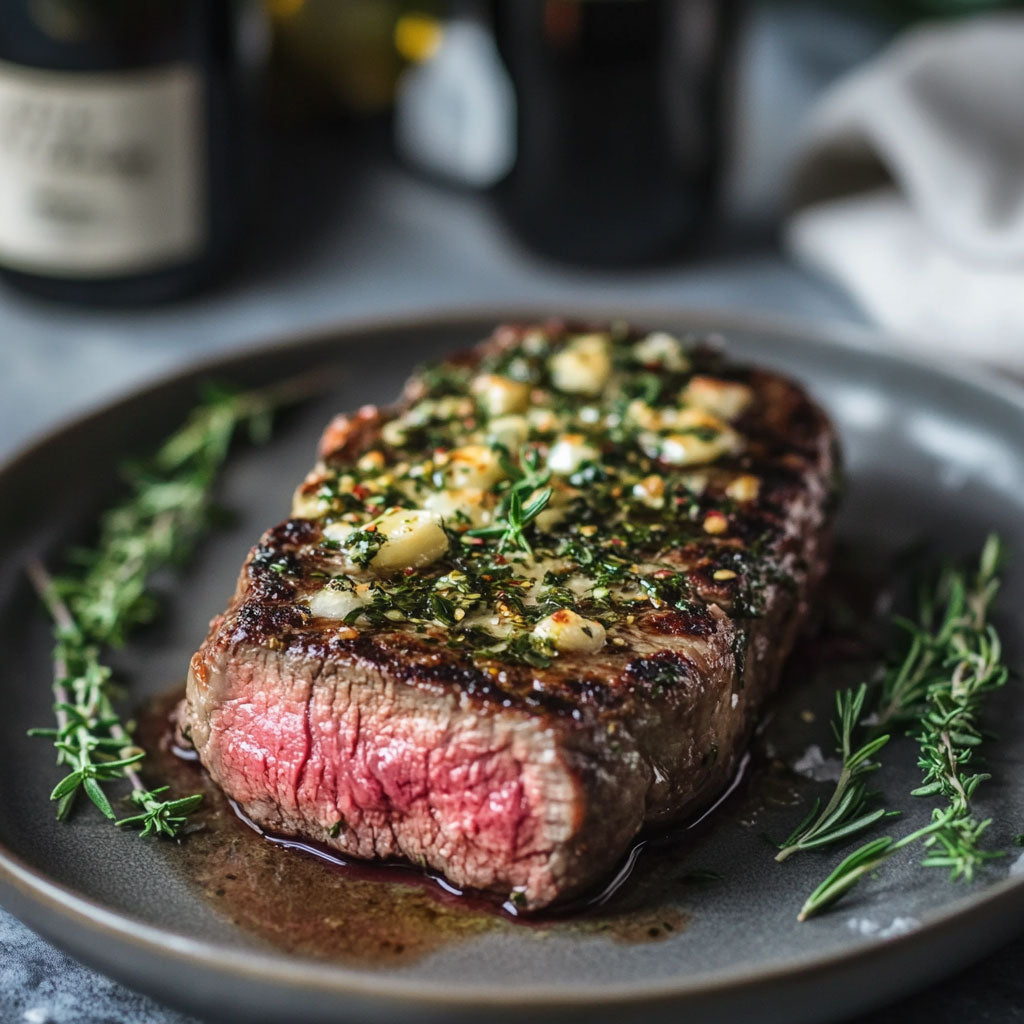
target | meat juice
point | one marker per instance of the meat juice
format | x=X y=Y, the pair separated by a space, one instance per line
x=305 y=899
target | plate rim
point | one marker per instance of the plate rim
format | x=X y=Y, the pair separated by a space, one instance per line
x=298 y=971
x=292 y=970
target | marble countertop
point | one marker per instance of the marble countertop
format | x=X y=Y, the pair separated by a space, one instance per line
x=347 y=234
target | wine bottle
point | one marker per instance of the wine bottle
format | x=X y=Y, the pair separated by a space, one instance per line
x=621 y=119
x=126 y=137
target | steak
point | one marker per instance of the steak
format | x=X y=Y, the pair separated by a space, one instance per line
x=532 y=610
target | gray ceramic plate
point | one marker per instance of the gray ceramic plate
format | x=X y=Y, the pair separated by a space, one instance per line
x=932 y=456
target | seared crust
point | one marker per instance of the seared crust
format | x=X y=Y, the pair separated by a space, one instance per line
x=588 y=748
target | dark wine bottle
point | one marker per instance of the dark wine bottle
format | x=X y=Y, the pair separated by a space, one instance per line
x=126 y=136
x=622 y=115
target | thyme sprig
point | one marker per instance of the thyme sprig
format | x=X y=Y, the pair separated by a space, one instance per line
x=937 y=641
x=90 y=737
x=168 y=509
x=525 y=498
x=936 y=692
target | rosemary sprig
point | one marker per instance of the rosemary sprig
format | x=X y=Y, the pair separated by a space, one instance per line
x=525 y=498
x=167 y=511
x=846 y=812
x=860 y=863
x=954 y=660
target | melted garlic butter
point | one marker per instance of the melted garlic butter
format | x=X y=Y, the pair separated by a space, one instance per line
x=529 y=506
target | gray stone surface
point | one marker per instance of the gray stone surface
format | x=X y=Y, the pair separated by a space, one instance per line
x=347 y=235
x=41 y=985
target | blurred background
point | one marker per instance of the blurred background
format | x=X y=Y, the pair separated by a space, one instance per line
x=185 y=177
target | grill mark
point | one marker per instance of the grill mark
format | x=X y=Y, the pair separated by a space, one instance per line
x=662 y=669
x=576 y=699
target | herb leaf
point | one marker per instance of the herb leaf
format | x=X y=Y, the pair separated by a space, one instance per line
x=845 y=814
x=168 y=510
x=526 y=484
x=936 y=691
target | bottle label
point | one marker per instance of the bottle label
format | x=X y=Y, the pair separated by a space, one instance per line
x=100 y=174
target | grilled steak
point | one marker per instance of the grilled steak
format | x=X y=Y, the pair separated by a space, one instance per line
x=530 y=611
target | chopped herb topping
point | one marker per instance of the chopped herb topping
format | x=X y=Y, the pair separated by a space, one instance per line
x=362 y=545
x=592 y=473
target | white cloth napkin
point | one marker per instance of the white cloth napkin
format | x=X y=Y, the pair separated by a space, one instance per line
x=908 y=188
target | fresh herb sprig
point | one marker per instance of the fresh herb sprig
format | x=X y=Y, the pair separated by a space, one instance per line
x=167 y=511
x=847 y=811
x=169 y=508
x=90 y=737
x=962 y=603
x=861 y=862
x=936 y=691
x=525 y=498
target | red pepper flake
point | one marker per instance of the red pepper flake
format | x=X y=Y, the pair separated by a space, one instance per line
x=359 y=491
x=618 y=542
x=372 y=528
x=408 y=571
x=500 y=560
x=663 y=574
